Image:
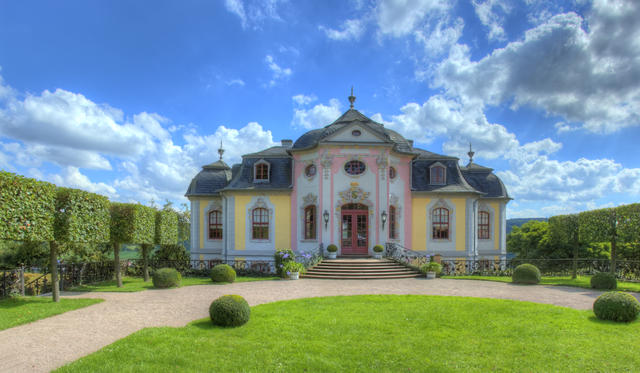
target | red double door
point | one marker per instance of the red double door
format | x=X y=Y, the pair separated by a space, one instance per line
x=355 y=229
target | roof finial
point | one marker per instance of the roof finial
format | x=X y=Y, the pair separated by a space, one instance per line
x=470 y=154
x=220 y=151
x=352 y=98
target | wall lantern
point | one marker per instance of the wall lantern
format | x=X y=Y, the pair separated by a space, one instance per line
x=383 y=217
x=325 y=215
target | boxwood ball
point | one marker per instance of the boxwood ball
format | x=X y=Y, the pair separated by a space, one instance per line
x=229 y=310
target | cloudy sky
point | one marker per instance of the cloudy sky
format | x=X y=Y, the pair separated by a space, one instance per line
x=129 y=99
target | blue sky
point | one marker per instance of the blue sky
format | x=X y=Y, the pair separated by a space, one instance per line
x=129 y=99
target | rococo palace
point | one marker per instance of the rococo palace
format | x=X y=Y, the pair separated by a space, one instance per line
x=355 y=184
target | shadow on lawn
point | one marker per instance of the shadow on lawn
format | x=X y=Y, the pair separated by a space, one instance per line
x=14 y=302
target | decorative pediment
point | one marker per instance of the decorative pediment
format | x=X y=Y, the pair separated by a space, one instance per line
x=354 y=194
x=355 y=133
x=310 y=199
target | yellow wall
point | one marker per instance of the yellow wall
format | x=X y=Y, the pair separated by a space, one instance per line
x=496 y=224
x=419 y=223
x=282 y=219
x=461 y=226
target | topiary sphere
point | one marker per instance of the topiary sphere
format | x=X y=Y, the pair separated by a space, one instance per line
x=166 y=278
x=332 y=248
x=526 y=274
x=378 y=248
x=616 y=306
x=223 y=273
x=604 y=281
x=229 y=310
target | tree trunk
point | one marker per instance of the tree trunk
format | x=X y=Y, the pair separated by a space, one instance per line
x=145 y=262
x=613 y=256
x=116 y=264
x=53 y=268
x=22 y=280
x=574 y=273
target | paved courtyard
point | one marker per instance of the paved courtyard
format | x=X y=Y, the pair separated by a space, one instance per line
x=50 y=343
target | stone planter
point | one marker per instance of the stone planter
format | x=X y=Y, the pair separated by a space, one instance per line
x=332 y=255
x=294 y=275
x=431 y=275
x=377 y=256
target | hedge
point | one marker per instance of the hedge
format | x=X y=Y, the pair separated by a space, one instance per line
x=81 y=216
x=166 y=227
x=27 y=208
x=132 y=223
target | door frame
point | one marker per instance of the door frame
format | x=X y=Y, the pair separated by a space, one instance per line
x=354 y=213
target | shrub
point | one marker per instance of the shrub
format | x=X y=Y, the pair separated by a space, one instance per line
x=293 y=267
x=283 y=256
x=378 y=248
x=229 y=310
x=526 y=274
x=616 y=306
x=166 y=278
x=332 y=248
x=431 y=267
x=604 y=281
x=223 y=273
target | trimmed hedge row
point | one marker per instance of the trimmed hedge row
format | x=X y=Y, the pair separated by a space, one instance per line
x=132 y=223
x=81 y=216
x=166 y=227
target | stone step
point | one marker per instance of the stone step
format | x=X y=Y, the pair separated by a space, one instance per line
x=361 y=270
x=361 y=277
x=357 y=267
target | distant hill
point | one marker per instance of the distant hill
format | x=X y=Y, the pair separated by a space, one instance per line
x=518 y=222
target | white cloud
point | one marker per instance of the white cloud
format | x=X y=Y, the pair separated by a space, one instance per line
x=589 y=76
x=491 y=14
x=318 y=116
x=351 y=29
x=33 y=155
x=252 y=13
x=72 y=177
x=238 y=82
x=303 y=99
x=439 y=39
x=401 y=17
x=278 y=73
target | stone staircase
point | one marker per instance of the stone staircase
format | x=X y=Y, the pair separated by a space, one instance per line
x=360 y=269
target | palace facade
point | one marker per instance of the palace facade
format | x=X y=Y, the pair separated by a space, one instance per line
x=355 y=184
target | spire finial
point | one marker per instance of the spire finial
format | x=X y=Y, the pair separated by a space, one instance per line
x=352 y=98
x=220 y=150
x=470 y=154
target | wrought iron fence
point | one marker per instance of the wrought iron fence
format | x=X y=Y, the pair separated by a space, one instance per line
x=628 y=270
x=408 y=257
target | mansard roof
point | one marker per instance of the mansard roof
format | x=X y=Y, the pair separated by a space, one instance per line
x=352 y=116
x=454 y=181
x=210 y=179
x=484 y=180
x=280 y=171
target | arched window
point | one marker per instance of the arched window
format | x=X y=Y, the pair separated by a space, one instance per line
x=310 y=223
x=483 y=225
x=261 y=172
x=260 y=224
x=393 y=230
x=440 y=224
x=215 y=225
x=437 y=175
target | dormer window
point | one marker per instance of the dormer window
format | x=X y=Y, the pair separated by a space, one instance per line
x=261 y=172
x=437 y=176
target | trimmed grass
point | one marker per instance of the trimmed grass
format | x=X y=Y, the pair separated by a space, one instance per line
x=133 y=284
x=581 y=281
x=22 y=310
x=382 y=333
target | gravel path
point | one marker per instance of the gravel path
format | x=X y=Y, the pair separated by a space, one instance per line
x=75 y=334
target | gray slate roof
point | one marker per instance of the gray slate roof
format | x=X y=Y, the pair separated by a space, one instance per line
x=353 y=116
x=455 y=183
x=210 y=180
x=483 y=180
x=279 y=172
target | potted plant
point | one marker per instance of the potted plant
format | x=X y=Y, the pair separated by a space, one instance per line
x=293 y=269
x=431 y=269
x=332 y=250
x=378 y=249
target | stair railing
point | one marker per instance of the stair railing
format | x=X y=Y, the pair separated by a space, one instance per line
x=410 y=258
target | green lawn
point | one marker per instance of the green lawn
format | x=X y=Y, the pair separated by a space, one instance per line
x=23 y=310
x=581 y=281
x=382 y=333
x=133 y=284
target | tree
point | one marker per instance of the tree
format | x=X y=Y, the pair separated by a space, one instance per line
x=130 y=223
x=531 y=240
x=166 y=233
x=564 y=233
x=184 y=226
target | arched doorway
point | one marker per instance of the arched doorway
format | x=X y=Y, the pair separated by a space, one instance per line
x=354 y=236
